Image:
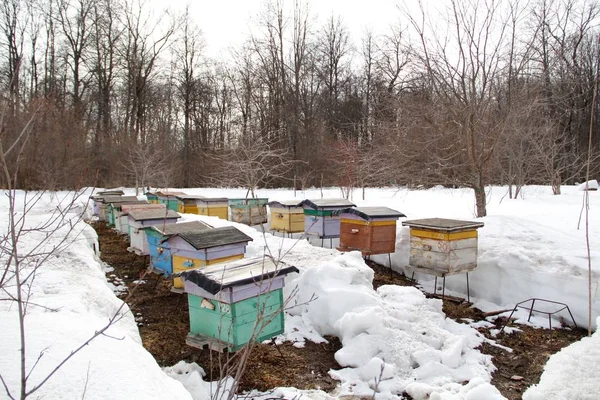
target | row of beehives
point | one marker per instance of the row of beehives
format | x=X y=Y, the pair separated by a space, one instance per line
x=231 y=299
x=438 y=246
x=445 y=246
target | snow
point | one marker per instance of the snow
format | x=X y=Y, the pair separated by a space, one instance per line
x=70 y=302
x=394 y=339
x=562 y=377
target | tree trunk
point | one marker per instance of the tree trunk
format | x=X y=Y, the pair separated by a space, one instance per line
x=480 y=201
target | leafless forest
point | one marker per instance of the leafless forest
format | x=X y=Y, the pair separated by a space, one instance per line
x=477 y=93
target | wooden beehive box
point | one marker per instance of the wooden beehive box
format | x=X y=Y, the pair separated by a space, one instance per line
x=104 y=201
x=152 y=197
x=140 y=219
x=188 y=203
x=123 y=225
x=214 y=207
x=372 y=230
x=319 y=219
x=287 y=216
x=169 y=199
x=442 y=246
x=249 y=211
x=201 y=248
x=160 y=249
x=97 y=199
x=111 y=203
x=235 y=302
x=116 y=209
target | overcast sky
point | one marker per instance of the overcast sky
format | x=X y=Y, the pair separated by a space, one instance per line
x=226 y=23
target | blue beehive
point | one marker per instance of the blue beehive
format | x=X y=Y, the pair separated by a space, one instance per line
x=160 y=249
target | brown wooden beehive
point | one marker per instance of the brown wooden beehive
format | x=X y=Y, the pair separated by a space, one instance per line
x=372 y=230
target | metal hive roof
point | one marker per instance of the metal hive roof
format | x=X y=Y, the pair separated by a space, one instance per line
x=220 y=276
x=142 y=215
x=371 y=212
x=214 y=237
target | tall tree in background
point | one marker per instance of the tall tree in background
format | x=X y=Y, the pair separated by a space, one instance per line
x=462 y=68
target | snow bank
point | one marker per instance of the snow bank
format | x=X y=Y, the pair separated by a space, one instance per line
x=70 y=301
x=572 y=373
x=394 y=339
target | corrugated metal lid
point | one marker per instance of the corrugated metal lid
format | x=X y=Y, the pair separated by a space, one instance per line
x=215 y=199
x=322 y=203
x=220 y=276
x=169 y=193
x=214 y=237
x=173 y=229
x=286 y=203
x=118 y=199
x=442 y=224
x=190 y=197
x=370 y=212
x=141 y=215
x=109 y=193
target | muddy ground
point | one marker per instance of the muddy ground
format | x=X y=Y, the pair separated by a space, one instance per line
x=163 y=322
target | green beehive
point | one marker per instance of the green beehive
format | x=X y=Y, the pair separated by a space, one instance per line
x=249 y=211
x=233 y=303
x=234 y=323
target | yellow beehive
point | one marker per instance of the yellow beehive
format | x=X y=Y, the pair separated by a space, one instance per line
x=214 y=207
x=442 y=246
x=287 y=216
x=188 y=204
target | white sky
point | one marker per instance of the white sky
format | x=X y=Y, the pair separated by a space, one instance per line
x=227 y=23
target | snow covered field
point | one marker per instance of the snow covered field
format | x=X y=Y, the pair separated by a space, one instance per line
x=394 y=339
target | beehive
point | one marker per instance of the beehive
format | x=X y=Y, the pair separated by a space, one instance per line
x=116 y=209
x=160 y=249
x=169 y=199
x=123 y=225
x=140 y=219
x=232 y=303
x=287 y=216
x=110 y=202
x=442 y=246
x=319 y=219
x=99 y=196
x=372 y=230
x=214 y=207
x=152 y=197
x=188 y=204
x=249 y=211
x=201 y=248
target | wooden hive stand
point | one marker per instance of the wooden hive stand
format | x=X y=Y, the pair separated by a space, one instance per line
x=442 y=247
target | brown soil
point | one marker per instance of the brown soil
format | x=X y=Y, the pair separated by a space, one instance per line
x=163 y=322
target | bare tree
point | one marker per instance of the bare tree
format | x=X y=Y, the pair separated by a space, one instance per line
x=253 y=163
x=462 y=68
x=146 y=165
